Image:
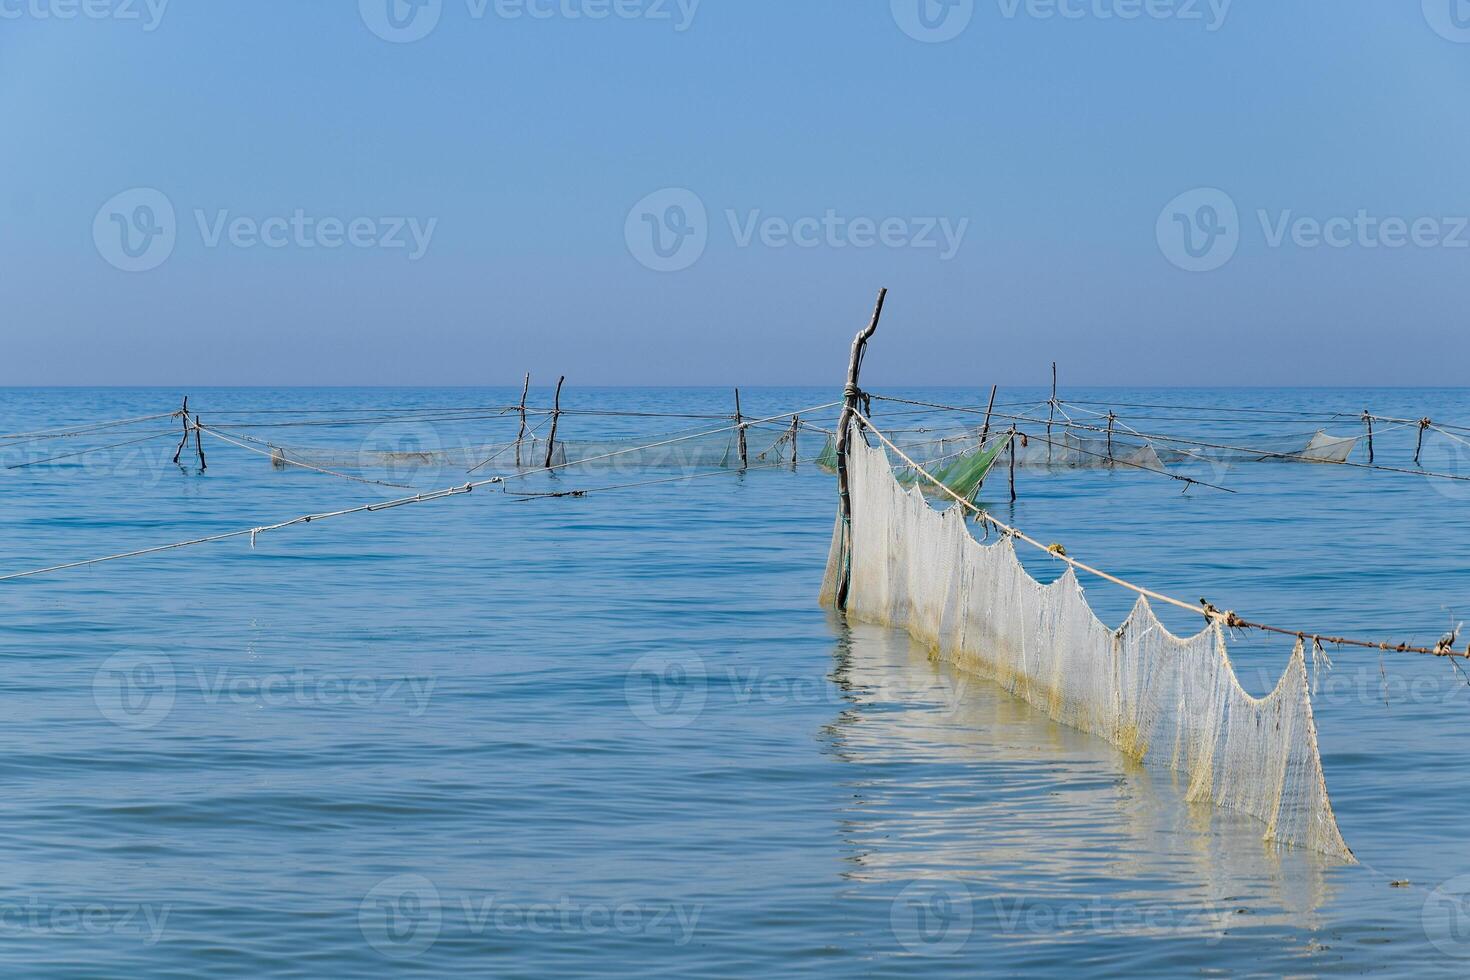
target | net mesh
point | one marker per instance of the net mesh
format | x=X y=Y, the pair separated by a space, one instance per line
x=1173 y=702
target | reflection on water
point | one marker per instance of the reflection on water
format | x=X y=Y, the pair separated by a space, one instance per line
x=959 y=782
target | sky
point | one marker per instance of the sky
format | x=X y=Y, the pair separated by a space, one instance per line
x=687 y=192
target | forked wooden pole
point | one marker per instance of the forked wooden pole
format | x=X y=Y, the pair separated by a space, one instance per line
x=555 y=417
x=850 y=395
x=184 y=413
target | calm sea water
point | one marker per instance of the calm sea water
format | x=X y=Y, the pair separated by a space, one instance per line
x=616 y=735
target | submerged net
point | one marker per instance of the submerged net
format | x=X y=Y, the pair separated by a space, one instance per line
x=689 y=449
x=1172 y=702
x=1067 y=448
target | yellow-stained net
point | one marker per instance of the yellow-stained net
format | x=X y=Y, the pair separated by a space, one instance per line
x=1161 y=699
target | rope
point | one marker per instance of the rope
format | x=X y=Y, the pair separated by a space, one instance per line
x=41 y=434
x=1230 y=619
x=96 y=449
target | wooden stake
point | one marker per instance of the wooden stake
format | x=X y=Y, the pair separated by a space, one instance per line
x=1013 y=464
x=1368 y=421
x=1423 y=424
x=740 y=432
x=795 y=431
x=1052 y=412
x=849 y=402
x=985 y=430
x=1111 y=419
x=199 y=446
x=185 y=440
x=555 y=417
x=522 y=433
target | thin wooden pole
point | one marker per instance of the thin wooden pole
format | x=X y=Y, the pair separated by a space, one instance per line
x=849 y=402
x=1368 y=421
x=795 y=431
x=1052 y=411
x=185 y=440
x=522 y=433
x=740 y=432
x=199 y=446
x=1013 y=464
x=985 y=430
x=1111 y=419
x=1423 y=424
x=555 y=417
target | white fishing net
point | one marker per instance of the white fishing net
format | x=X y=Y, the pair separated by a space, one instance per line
x=1164 y=700
x=1072 y=448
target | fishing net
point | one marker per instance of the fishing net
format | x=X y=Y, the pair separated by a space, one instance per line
x=963 y=475
x=1068 y=448
x=1164 y=700
x=691 y=449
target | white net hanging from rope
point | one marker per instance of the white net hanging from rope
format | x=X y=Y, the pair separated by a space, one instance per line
x=1172 y=702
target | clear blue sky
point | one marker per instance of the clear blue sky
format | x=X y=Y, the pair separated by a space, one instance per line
x=1056 y=140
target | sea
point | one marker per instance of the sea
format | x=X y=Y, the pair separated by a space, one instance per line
x=593 y=721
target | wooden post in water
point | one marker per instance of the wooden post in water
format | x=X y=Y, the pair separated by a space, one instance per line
x=795 y=431
x=521 y=434
x=740 y=432
x=555 y=417
x=185 y=440
x=1368 y=421
x=199 y=446
x=850 y=394
x=985 y=430
x=1052 y=411
x=1012 y=445
x=1423 y=424
x=1111 y=419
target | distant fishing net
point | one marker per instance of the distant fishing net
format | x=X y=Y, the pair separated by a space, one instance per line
x=765 y=445
x=1167 y=701
x=1069 y=449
